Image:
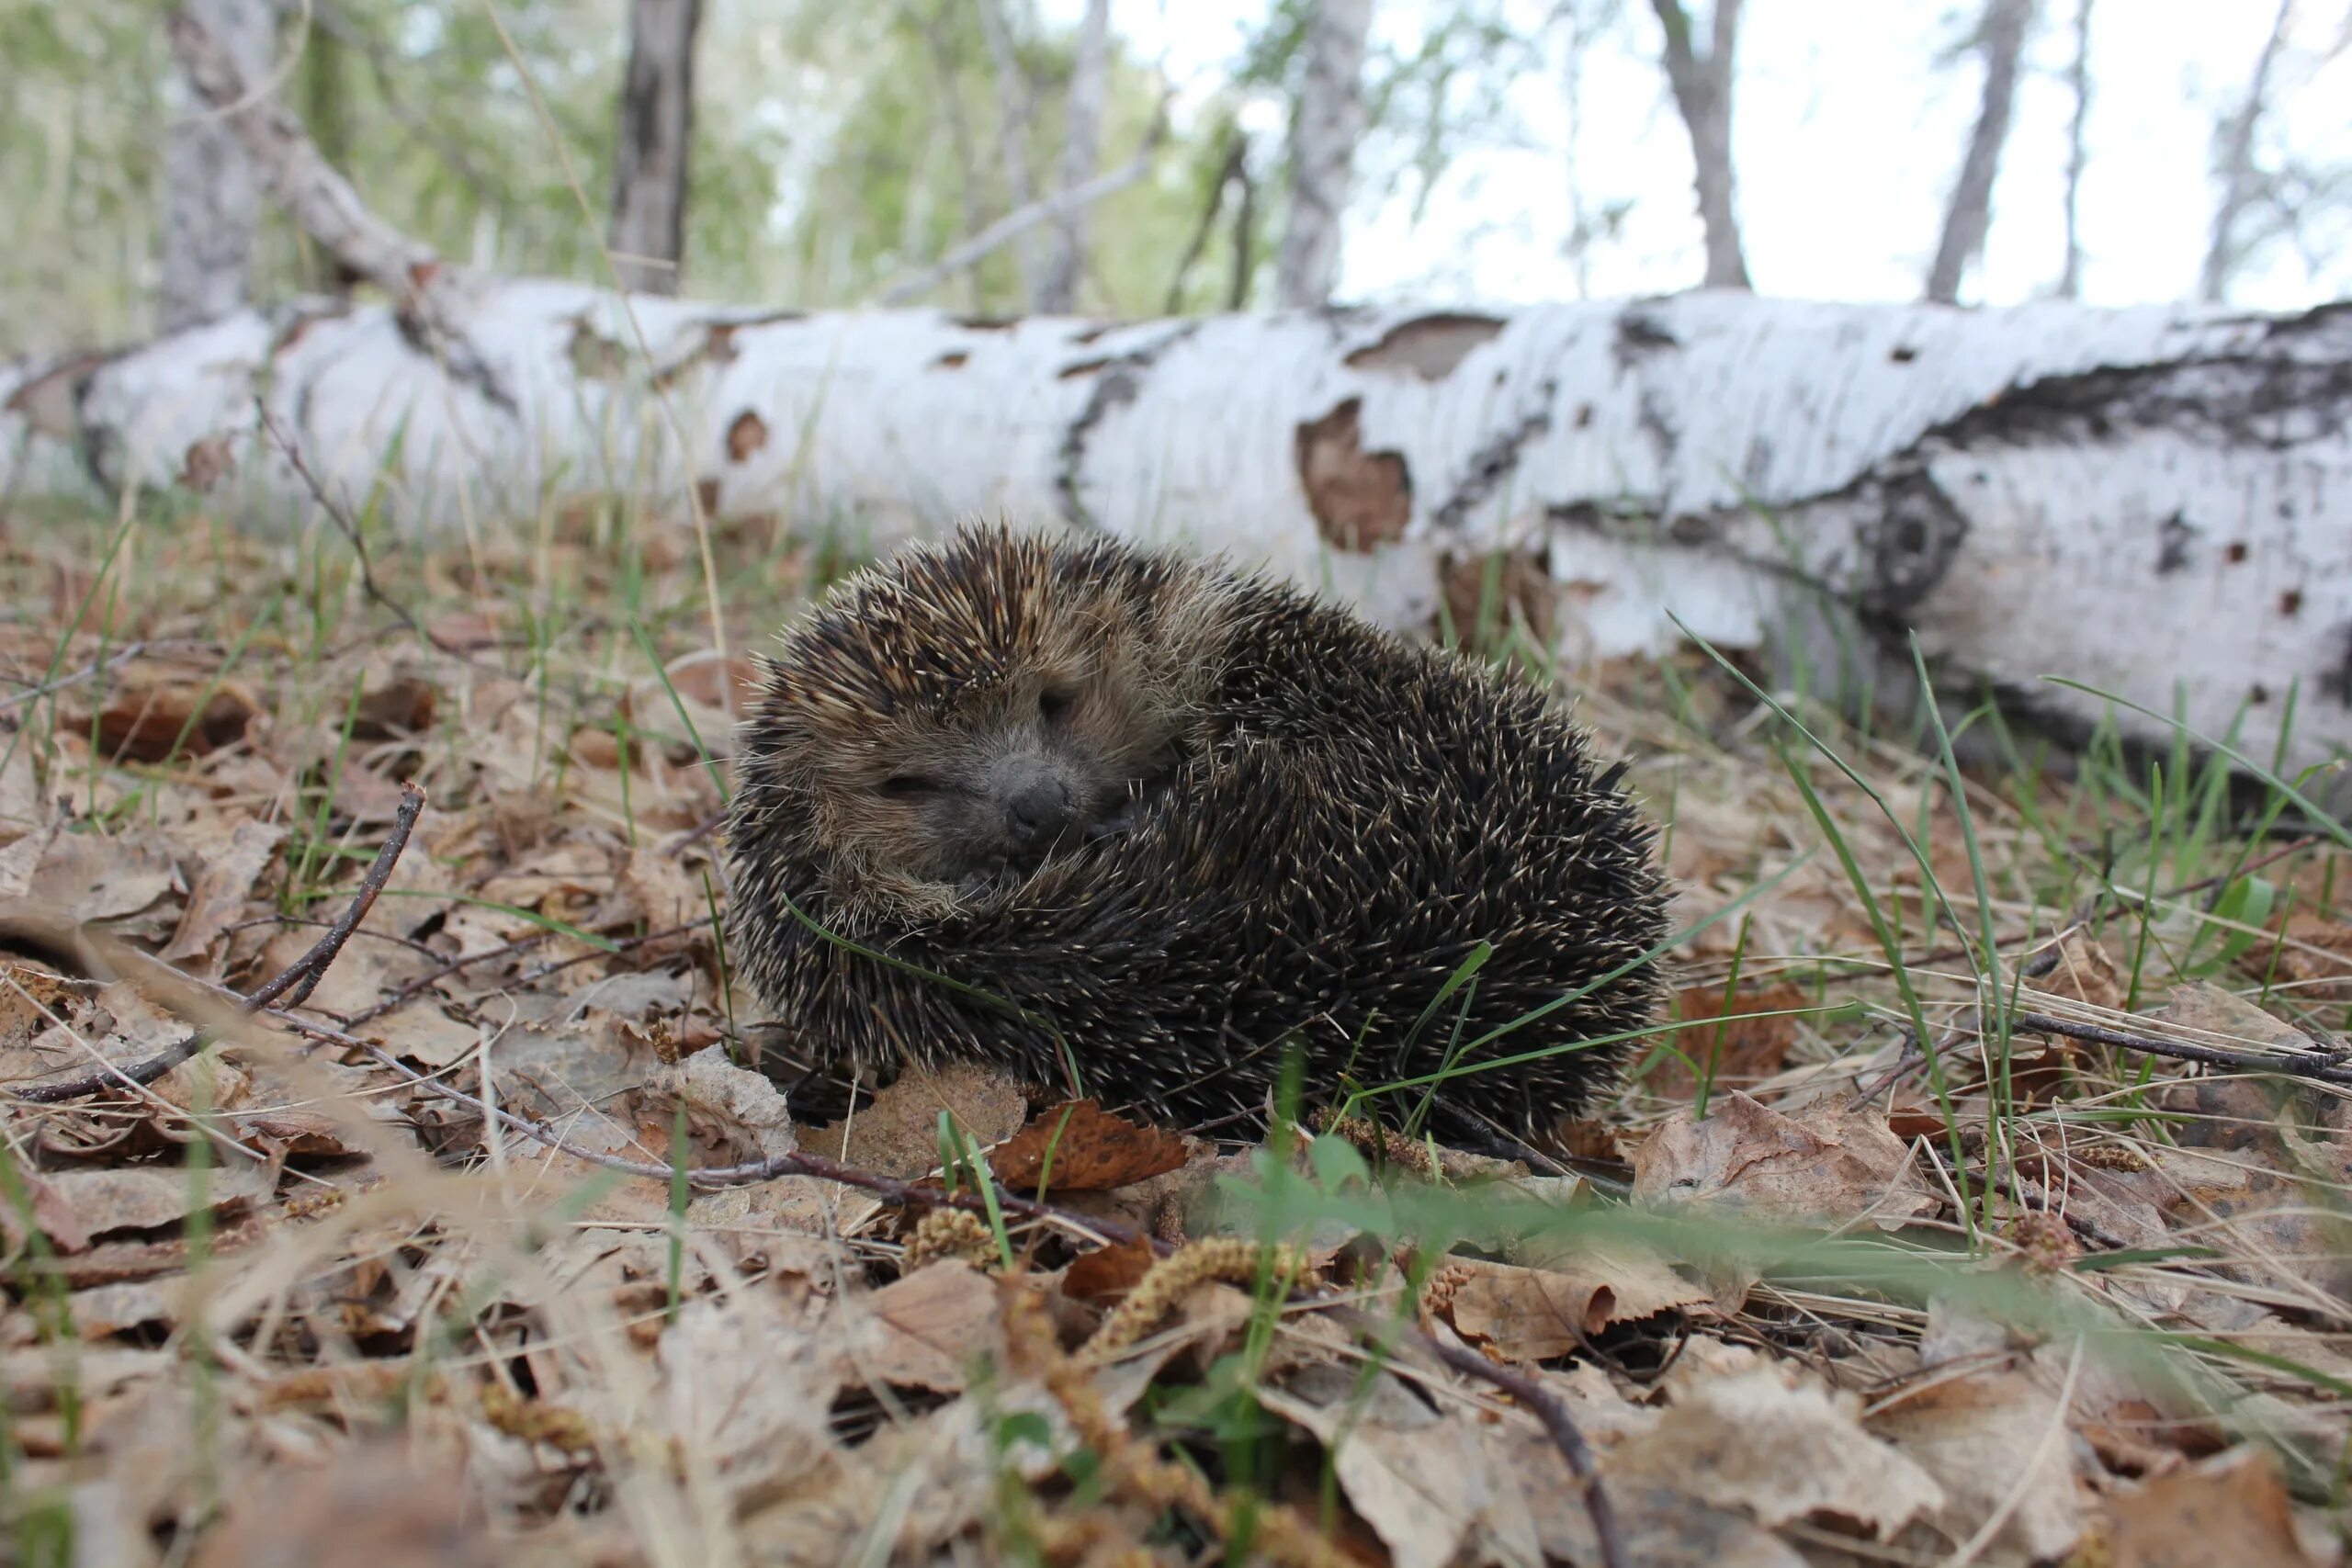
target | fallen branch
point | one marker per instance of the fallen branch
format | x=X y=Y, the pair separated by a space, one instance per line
x=293 y=984
x=1013 y=225
x=327 y=208
x=2320 y=1067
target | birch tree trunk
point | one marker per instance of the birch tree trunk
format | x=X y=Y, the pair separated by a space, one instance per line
x=1090 y=75
x=2240 y=181
x=2044 y=490
x=1325 y=127
x=1970 y=212
x=212 y=186
x=1012 y=130
x=2078 y=81
x=651 y=156
x=1702 y=89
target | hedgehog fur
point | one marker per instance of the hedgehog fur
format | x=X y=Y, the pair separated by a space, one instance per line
x=1274 y=827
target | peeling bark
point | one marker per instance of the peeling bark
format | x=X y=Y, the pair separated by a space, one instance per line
x=2034 y=490
x=1968 y=214
x=652 y=161
x=1324 y=129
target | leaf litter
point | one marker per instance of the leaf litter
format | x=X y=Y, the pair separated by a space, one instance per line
x=407 y=1267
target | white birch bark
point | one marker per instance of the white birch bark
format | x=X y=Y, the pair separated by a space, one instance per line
x=1968 y=214
x=1325 y=127
x=212 y=186
x=651 y=153
x=1090 y=83
x=1702 y=95
x=2125 y=498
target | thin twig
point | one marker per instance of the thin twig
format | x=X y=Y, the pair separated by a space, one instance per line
x=349 y=526
x=294 y=984
x=87 y=672
x=2320 y=1067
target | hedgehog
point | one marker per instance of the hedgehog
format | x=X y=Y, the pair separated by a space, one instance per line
x=1148 y=828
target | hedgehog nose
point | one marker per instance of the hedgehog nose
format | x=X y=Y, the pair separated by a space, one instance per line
x=1042 y=808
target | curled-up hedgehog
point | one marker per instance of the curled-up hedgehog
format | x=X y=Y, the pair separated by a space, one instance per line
x=1137 y=826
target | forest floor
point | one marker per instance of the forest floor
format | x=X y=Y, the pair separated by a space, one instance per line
x=1981 y=1203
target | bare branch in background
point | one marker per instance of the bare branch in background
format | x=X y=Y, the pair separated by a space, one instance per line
x=2240 y=181
x=212 y=184
x=1702 y=89
x=1324 y=129
x=2001 y=39
x=1013 y=133
x=323 y=205
x=652 y=153
x=1014 y=225
x=1236 y=149
x=1089 y=75
x=969 y=191
x=2078 y=81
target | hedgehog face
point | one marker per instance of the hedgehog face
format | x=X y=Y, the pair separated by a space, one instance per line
x=953 y=720
x=976 y=792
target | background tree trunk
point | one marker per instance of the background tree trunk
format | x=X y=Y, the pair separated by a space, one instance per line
x=2078 y=81
x=652 y=153
x=1012 y=130
x=2039 y=490
x=2240 y=181
x=1970 y=214
x=1325 y=127
x=212 y=186
x=1702 y=93
x=1081 y=151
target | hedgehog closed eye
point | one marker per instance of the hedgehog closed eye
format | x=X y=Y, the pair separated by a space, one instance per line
x=1274 y=829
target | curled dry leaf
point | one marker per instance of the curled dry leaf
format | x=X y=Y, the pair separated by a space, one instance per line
x=1832 y=1162
x=2230 y=1509
x=150 y=714
x=1740 y=1048
x=375 y=1502
x=1419 y=1478
x=1081 y=1147
x=897 y=1134
x=105 y=1202
x=1535 y=1313
x=760 y=1432
x=1108 y=1272
x=223 y=885
x=1994 y=1441
x=925 y=1331
x=739 y=1112
x=1779 y=1449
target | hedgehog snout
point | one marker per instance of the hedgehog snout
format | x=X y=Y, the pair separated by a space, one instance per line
x=1039 y=811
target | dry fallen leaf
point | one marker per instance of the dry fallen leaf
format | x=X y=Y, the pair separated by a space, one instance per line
x=1998 y=1443
x=1739 y=1048
x=1081 y=1147
x=897 y=1134
x=1778 y=1448
x=2230 y=1509
x=1535 y=1313
x=1831 y=1163
x=923 y=1331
